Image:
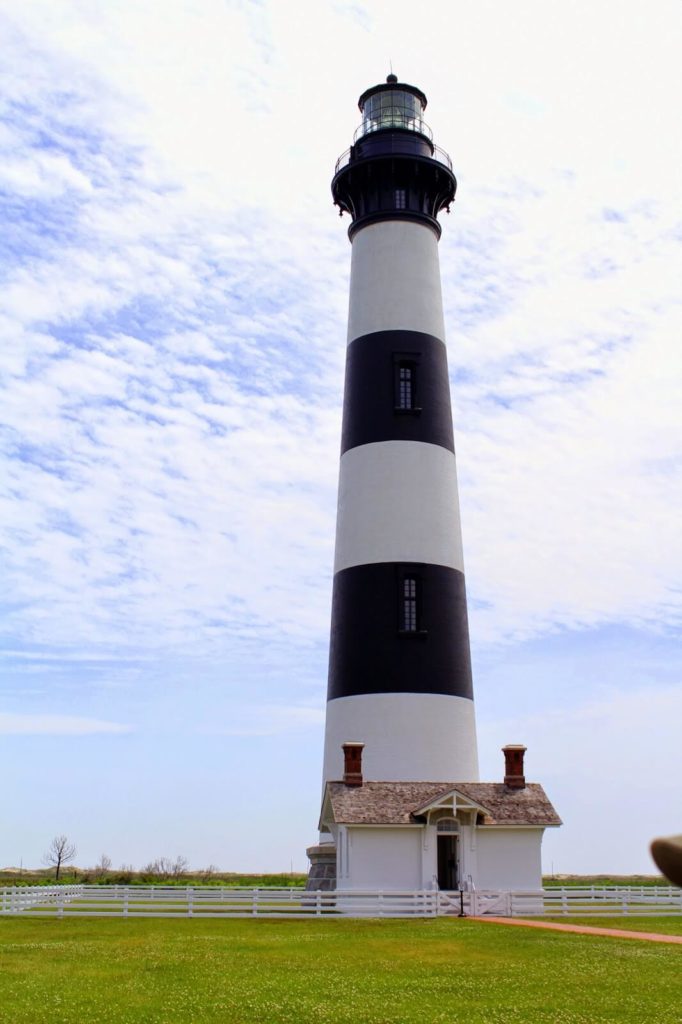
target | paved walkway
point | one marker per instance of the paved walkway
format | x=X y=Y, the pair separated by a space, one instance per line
x=583 y=929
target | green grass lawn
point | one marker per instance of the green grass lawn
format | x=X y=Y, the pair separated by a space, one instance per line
x=314 y=972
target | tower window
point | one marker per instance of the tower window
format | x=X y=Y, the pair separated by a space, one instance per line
x=409 y=604
x=410 y=599
x=406 y=386
x=405 y=397
x=400 y=199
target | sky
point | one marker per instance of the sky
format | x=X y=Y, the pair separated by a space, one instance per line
x=173 y=302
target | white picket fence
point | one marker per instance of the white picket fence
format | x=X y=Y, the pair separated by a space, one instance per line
x=611 y=901
x=21 y=899
x=223 y=901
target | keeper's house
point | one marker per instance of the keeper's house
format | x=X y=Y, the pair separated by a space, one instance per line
x=427 y=835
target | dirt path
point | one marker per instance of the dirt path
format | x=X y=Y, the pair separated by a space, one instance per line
x=583 y=929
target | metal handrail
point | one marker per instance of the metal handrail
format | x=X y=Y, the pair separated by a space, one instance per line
x=343 y=161
x=439 y=155
x=410 y=124
x=442 y=157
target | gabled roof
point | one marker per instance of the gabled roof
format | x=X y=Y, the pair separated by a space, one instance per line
x=407 y=803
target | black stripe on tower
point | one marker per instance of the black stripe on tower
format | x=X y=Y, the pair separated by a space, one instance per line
x=396 y=390
x=372 y=651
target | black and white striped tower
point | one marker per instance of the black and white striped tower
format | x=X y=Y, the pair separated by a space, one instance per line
x=399 y=669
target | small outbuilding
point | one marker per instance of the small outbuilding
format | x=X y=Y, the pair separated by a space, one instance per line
x=432 y=835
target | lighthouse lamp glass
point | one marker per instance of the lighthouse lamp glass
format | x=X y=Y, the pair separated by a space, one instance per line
x=392 y=108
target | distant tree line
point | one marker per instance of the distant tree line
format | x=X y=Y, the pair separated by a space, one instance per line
x=62 y=852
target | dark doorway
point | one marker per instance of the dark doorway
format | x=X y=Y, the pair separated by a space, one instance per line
x=447 y=862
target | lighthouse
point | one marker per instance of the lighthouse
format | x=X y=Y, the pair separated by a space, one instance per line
x=400 y=708
x=399 y=663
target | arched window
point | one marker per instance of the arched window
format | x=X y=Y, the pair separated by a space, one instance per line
x=447 y=826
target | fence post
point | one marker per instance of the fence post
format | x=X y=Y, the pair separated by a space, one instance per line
x=190 y=901
x=318 y=903
x=125 y=902
x=564 y=902
x=254 y=902
x=60 y=905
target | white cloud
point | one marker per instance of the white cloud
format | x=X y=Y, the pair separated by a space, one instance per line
x=55 y=725
x=168 y=462
x=43 y=176
x=272 y=720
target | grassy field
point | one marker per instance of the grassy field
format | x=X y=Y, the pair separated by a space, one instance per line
x=71 y=875
x=324 y=972
x=585 y=881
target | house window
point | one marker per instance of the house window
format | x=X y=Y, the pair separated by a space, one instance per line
x=400 y=199
x=409 y=604
x=447 y=826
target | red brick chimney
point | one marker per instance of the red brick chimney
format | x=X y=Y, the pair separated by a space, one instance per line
x=513 y=765
x=352 y=763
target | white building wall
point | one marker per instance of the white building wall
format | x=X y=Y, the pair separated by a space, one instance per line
x=383 y=858
x=508 y=858
x=429 y=864
x=468 y=859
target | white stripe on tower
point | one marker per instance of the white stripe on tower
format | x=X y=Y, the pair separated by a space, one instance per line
x=390 y=725
x=382 y=515
x=395 y=280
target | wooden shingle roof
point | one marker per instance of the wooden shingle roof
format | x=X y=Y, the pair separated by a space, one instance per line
x=406 y=803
